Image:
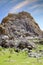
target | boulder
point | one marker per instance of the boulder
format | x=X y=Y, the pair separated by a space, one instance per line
x=23 y=43
x=7 y=43
x=35 y=55
x=4 y=37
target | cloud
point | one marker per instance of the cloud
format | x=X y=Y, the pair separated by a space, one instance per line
x=36 y=11
x=35 y=6
x=38 y=8
x=20 y=5
x=11 y=1
x=7 y=1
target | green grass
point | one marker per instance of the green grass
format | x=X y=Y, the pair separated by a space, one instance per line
x=10 y=57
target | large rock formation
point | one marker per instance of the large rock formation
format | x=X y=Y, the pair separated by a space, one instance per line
x=17 y=26
x=21 y=24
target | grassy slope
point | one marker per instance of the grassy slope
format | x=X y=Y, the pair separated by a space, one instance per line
x=21 y=58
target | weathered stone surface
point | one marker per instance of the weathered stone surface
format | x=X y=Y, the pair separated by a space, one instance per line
x=7 y=43
x=24 y=43
x=15 y=28
x=2 y=29
x=35 y=55
x=21 y=23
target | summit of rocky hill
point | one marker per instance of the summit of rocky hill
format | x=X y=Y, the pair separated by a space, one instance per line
x=21 y=24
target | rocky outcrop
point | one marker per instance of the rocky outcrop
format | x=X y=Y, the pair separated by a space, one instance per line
x=18 y=26
x=20 y=23
x=19 y=43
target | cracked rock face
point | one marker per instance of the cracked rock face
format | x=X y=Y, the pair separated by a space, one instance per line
x=18 y=26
